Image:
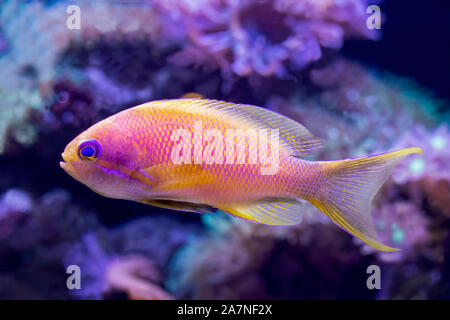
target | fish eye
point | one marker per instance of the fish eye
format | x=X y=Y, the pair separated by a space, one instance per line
x=89 y=150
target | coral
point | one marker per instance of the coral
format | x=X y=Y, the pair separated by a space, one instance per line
x=14 y=205
x=434 y=164
x=24 y=71
x=49 y=233
x=427 y=177
x=402 y=225
x=357 y=111
x=127 y=259
x=242 y=260
x=136 y=276
x=34 y=36
x=89 y=255
x=118 y=72
x=264 y=38
x=157 y=237
x=45 y=231
x=413 y=281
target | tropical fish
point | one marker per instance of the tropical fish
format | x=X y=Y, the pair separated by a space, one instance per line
x=199 y=155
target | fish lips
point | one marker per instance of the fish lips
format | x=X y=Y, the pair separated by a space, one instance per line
x=68 y=167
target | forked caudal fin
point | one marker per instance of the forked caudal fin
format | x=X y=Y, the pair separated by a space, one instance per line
x=349 y=189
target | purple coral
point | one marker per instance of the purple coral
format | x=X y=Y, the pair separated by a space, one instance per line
x=104 y=272
x=128 y=258
x=42 y=230
x=242 y=260
x=401 y=225
x=3 y=44
x=14 y=204
x=434 y=163
x=430 y=172
x=264 y=38
x=138 y=277
x=357 y=112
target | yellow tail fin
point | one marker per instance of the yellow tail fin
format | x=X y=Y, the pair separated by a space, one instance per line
x=349 y=189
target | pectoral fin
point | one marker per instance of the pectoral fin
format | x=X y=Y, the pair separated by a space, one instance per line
x=176 y=177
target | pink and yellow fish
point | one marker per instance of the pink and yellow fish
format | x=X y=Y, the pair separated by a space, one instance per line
x=191 y=155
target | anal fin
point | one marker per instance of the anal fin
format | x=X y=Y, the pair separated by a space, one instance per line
x=269 y=211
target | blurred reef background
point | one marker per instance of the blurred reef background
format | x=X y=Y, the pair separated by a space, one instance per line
x=362 y=91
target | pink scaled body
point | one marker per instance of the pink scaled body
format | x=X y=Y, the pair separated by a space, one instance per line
x=203 y=155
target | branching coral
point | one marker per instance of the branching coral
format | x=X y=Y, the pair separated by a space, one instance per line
x=261 y=37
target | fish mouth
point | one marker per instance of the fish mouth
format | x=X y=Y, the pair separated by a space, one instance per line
x=69 y=169
x=65 y=165
x=62 y=164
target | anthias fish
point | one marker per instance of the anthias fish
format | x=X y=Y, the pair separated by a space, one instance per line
x=203 y=155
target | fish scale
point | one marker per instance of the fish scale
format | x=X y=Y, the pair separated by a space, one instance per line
x=155 y=129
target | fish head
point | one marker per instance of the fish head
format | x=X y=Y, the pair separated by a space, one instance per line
x=103 y=158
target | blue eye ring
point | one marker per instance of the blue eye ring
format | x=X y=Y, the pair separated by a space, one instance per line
x=89 y=150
